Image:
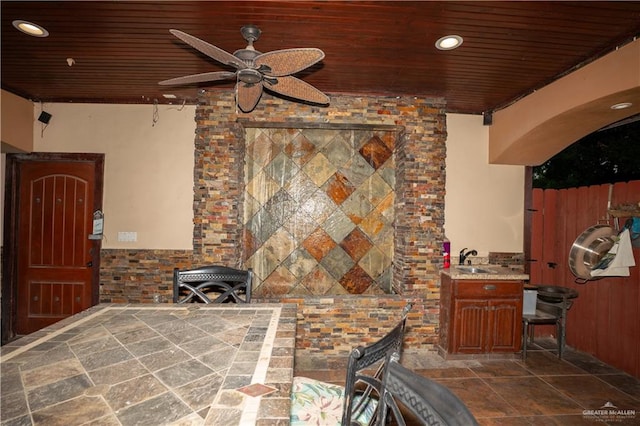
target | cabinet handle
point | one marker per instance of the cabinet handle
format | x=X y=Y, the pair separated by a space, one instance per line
x=489 y=287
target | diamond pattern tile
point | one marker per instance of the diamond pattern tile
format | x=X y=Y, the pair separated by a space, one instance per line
x=319 y=244
x=282 y=169
x=337 y=262
x=300 y=226
x=318 y=282
x=338 y=225
x=356 y=280
x=374 y=262
x=257 y=389
x=338 y=188
x=300 y=150
x=300 y=263
x=377 y=189
x=338 y=151
x=357 y=170
x=280 y=207
x=319 y=169
x=318 y=213
x=279 y=282
x=300 y=187
x=375 y=152
x=319 y=207
x=357 y=206
x=262 y=187
x=280 y=245
x=356 y=244
x=262 y=149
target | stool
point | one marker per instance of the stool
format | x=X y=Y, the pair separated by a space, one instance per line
x=546 y=313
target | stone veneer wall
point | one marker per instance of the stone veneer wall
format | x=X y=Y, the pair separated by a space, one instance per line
x=325 y=324
x=334 y=325
x=138 y=276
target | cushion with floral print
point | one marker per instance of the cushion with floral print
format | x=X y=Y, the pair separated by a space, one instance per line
x=314 y=402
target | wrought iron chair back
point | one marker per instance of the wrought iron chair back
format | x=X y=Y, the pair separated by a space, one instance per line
x=359 y=381
x=430 y=402
x=212 y=284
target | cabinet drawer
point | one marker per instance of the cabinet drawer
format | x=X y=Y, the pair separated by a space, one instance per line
x=488 y=289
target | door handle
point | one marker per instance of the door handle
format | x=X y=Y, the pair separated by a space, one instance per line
x=90 y=264
x=489 y=287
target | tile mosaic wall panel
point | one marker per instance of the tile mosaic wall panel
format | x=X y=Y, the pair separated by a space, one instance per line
x=318 y=211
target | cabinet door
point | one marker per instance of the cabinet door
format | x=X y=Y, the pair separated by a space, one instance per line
x=505 y=322
x=470 y=329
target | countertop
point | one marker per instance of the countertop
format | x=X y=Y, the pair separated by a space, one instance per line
x=493 y=272
x=152 y=364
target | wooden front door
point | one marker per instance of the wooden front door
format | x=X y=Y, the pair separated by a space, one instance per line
x=57 y=262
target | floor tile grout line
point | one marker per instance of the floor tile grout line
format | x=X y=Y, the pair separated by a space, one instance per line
x=168 y=389
x=597 y=376
x=561 y=392
x=500 y=396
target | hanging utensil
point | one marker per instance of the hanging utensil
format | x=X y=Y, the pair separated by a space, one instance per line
x=588 y=250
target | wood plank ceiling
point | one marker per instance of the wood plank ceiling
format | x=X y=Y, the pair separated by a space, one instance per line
x=122 y=49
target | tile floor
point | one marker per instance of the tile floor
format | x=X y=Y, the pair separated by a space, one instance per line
x=542 y=391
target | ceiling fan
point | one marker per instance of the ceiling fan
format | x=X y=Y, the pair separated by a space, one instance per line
x=256 y=70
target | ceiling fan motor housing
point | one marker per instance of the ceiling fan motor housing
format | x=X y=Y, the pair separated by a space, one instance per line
x=249 y=76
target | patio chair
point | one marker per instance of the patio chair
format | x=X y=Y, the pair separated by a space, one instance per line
x=317 y=402
x=407 y=397
x=212 y=284
x=546 y=313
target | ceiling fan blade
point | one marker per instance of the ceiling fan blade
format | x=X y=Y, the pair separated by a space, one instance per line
x=248 y=95
x=288 y=61
x=296 y=88
x=198 y=78
x=210 y=50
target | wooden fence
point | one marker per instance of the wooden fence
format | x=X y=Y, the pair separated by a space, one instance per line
x=605 y=319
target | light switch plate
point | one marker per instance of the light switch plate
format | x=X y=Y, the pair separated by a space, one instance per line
x=127 y=236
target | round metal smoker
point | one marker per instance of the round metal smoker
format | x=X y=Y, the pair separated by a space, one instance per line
x=556 y=294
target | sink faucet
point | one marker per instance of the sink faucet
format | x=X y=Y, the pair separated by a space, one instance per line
x=463 y=255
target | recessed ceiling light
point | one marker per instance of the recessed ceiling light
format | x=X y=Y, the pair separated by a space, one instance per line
x=621 y=105
x=449 y=42
x=30 y=28
x=169 y=96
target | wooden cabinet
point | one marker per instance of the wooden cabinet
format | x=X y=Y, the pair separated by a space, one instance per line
x=480 y=316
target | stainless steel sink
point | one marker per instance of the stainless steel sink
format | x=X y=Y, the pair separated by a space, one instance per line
x=474 y=270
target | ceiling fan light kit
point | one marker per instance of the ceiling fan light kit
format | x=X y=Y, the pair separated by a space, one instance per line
x=256 y=71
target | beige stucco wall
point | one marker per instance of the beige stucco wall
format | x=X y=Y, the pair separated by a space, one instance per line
x=484 y=203
x=148 y=185
x=16 y=123
x=542 y=124
x=148 y=176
